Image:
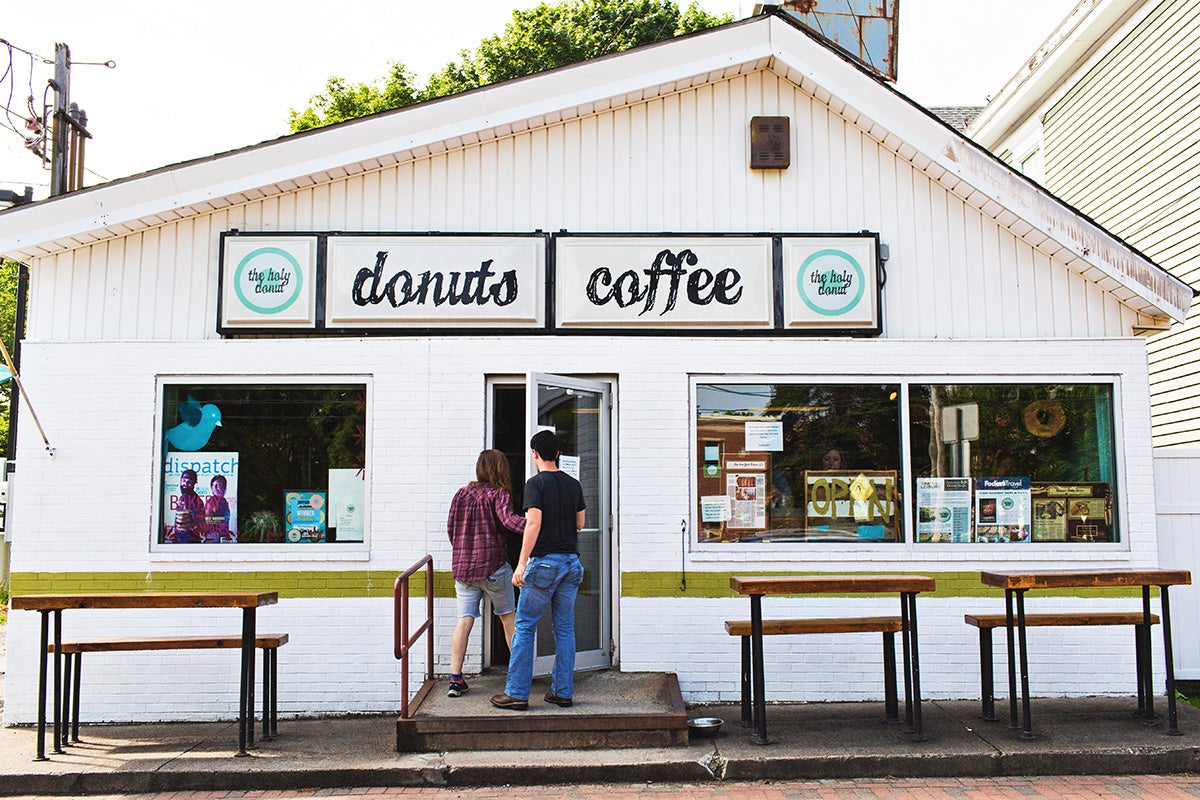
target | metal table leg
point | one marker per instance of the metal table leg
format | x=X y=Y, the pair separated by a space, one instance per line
x=43 y=657
x=58 y=721
x=756 y=658
x=910 y=598
x=1172 y=716
x=1027 y=732
x=246 y=699
x=906 y=647
x=1009 y=625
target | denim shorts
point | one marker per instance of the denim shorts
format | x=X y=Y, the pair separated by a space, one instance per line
x=497 y=586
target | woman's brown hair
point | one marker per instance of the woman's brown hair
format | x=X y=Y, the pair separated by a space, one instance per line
x=492 y=468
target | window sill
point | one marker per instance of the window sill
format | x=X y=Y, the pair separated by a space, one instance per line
x=202 y=553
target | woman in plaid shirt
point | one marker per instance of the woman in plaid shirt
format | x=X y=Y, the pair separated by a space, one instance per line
x=480 y=514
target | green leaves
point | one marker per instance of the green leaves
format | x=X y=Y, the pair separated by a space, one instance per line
x=538 y=39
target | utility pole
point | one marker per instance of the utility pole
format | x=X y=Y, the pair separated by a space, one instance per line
x=62 y=98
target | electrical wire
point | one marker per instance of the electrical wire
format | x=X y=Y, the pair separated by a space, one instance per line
x=29 y=53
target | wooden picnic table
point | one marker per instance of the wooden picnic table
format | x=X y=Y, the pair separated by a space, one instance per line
x=1016 y=582
x=907 y=586
x=55 y=604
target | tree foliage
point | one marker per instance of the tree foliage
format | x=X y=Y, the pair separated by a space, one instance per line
x=9 y=280
x=537 y=39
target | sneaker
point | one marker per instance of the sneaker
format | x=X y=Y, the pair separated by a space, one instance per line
x=511 y=703
x=564 y=702
x=458 y=688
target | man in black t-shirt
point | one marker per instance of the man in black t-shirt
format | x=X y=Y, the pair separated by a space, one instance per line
x=548 y=574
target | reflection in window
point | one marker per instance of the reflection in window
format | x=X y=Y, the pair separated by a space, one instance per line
x=1013 y=463
x=254 y=464
x=798 y=463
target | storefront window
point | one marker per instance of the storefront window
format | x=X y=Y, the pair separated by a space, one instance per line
x=1013 y=463
x=798 y=463
x=259 y=464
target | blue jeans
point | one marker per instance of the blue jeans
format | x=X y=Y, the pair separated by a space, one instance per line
x=551 y=580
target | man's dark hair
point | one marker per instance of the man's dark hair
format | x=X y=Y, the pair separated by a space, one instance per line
x=546 y=444
x=191 y=472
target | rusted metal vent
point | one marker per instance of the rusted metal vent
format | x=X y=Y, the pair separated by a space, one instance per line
x=770 y=143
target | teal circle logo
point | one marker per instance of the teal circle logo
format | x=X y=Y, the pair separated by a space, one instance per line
x=268 y=280
x=830 y=282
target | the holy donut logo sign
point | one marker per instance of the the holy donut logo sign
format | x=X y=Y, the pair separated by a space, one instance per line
x=830 y=282
x=268 y=280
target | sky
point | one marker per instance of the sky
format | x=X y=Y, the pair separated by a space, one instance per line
x=197 y=78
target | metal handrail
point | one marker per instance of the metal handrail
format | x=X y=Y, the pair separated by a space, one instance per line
x=403 y=641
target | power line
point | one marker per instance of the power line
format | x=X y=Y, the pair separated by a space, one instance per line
x=30 y=53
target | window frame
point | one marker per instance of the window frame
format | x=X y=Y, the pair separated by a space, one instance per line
x=283 y=551
x=908 y=548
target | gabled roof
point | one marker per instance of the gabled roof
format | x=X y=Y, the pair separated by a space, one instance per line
x=769 y=41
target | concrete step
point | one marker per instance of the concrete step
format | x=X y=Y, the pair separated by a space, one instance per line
x=612 y=709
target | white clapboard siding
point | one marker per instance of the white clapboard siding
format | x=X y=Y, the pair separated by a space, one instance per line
x=677 y=162
x=1123 y=145
x=1176 y=475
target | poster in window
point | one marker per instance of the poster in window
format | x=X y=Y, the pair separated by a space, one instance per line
x=943 y=509
x=1072 y=512
x=1002 y=510
x=747 y=494
x=347 y=494
x=857 y=505
x=199 y=494
x=304 y=516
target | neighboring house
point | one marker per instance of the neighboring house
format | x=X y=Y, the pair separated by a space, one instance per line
x=777 y=293
x=1106 y=116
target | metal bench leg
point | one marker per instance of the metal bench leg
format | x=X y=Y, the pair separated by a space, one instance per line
x=911 y=633
x=1139 y=649
x=987 y=677
x=68 y=662
x=1027 y=731
x=75 y=697
x=266 y=695
x=274 y=691
x=747 y=716
x=891 y=705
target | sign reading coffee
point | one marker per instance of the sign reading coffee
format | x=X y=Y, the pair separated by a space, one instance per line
x=663 y=282
x=340 y=282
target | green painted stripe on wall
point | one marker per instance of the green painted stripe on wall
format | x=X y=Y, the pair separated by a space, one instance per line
x=716 y=584
x=379 y=583
x=300 y=583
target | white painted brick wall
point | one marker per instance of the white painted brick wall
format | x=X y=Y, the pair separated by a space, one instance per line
x=98 y=401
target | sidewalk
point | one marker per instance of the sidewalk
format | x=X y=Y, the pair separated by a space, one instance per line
x=1077 y=736
x=1097 y=736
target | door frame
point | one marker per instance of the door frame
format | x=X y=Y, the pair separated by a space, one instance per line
x=602 y=658
x=610 y=583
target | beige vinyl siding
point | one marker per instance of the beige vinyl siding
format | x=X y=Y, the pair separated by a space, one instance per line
x=677 y=162
x=1123 y=145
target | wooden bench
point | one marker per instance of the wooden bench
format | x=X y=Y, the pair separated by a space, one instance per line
x=986 y=623
x=269 y=643
x=888 y=626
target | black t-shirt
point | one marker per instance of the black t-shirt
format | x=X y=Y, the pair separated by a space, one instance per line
x=559 y=497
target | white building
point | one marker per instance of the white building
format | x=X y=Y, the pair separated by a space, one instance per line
x=883 y=288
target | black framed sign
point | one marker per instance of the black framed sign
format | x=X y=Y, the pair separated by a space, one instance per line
x=567 y=283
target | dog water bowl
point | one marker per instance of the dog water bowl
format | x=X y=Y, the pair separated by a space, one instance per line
x=705 y=726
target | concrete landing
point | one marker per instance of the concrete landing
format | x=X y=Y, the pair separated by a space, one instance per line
x=612 y=709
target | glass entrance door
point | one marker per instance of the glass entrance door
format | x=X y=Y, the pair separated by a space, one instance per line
x=578 y=412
